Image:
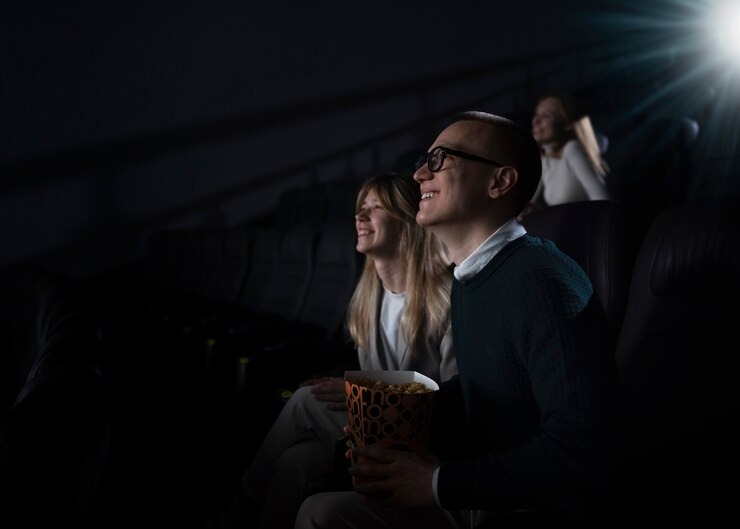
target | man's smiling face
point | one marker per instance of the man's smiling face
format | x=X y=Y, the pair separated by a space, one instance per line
x=458 y=190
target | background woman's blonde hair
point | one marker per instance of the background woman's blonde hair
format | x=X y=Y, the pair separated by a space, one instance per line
x=428 y=279
x=583 y=130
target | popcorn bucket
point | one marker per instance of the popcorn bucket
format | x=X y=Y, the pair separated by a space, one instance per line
x=381 y=411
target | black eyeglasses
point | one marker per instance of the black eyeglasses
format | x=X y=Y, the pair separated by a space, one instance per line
x=436 y=157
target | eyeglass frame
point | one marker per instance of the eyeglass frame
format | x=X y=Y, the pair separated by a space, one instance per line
x=446 y=151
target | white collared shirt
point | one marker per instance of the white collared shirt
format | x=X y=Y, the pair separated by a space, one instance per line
x=482 y=255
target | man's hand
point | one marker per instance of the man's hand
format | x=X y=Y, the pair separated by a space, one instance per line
x=331 y=391
x=399 y=478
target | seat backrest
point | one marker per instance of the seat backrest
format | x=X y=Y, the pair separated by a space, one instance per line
x=189 y=243
x=69 y=335
x=235 y=257
x=27 y=294
x=280 y=269
x=300 y=205
x=263 y=260
x=173 y=259
x=294 y=270
x=602 y=140
x=54 y=447
x=340 y=200
x=677 y=357
x=651 y=164
x=212 y=249
x=603 y=238
x=160 y=258
x=336 y=271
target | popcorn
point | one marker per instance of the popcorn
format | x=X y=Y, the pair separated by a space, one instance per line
x=390 y=408
x=408 y=387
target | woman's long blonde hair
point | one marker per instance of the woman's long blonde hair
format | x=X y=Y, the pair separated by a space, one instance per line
x=583 y=129
x=428 y=278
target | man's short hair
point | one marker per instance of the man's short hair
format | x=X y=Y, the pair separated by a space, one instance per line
x=514 y=146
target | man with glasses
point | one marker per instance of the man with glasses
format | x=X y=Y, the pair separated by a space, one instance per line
x=523 y=433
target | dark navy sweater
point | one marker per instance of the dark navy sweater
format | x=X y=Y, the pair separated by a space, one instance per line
x=536 y=379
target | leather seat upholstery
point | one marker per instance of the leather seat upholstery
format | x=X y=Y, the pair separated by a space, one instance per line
x=603 y=238
x=678 y=363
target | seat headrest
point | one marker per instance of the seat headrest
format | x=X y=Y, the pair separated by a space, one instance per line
x=603 y=141
x=603 y=237
x=697 y=250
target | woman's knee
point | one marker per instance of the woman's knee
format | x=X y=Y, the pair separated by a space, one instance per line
x=316 y=511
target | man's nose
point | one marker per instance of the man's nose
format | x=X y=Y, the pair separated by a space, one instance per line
x=422 y=173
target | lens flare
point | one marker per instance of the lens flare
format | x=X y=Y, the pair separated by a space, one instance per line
x=724 y=29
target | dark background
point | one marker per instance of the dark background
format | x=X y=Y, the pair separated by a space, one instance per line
x=121 y=119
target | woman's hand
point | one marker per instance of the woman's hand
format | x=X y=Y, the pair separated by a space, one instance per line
x=329 y=390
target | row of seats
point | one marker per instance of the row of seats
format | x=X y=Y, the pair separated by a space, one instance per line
x=294 y=298
x=652 y=269
x=55 y=436
x=677 y=363
x=206 y=335
x=669 y=283
x=604 y=238
x=217 y=300
x=113 y=410
x=146 y=434
x=651 y=162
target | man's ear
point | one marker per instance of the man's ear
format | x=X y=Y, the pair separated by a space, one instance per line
x=502 y=181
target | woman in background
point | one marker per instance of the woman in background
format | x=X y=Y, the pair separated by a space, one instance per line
x=572 y=166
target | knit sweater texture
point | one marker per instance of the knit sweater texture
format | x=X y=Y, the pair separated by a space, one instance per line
x=536 y=382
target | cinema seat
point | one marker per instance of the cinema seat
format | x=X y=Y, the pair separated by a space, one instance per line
x=651 y=163
x=54 y=446
x=315 y=341
x=603 y=238
x=678 y=363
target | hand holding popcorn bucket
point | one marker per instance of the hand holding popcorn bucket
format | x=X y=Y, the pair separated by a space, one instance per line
x=389 y=408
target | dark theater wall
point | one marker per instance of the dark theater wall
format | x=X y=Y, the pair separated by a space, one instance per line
x=121 y=119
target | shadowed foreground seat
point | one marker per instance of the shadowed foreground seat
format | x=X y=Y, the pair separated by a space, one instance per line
x=678 y=364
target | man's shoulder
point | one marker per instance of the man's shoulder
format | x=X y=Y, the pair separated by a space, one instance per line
x=524 y=255
x=534 y=253
x=529 y=244
x=521 y=254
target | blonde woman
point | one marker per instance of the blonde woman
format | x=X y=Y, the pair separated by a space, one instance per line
x=572 y=166
x=398 y=318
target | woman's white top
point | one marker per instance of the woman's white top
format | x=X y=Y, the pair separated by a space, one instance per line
x=391 y=343
x=388 y=349
x=571 y=178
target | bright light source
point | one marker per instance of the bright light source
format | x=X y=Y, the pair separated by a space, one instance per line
x=725 y=28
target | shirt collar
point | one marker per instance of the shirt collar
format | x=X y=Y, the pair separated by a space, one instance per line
x=482 y=255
